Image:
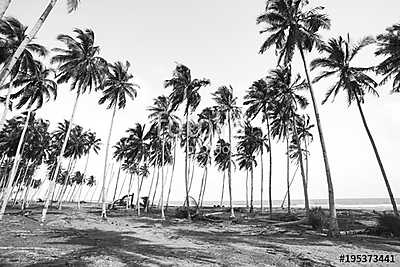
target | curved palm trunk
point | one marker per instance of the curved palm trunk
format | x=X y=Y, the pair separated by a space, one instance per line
x=146 y=209
x=60 y=156
x=378 y=158
x=204 y=188
x=15 y=165
x=28 y=38
x=172 y=174
x=288 y=174
x=191 y=173
x=306 y=159
x=303 y=176
x=103 y=189
x=333 y=223
x=111 y=175
x=290 y=185
x=155 y=187
x=3 y=7
x=201 y=189
x=128 y=202
x=138 y=195
x=162 y=177
x=230 y=166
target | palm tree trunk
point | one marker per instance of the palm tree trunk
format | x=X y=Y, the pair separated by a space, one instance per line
x=60 y=156
x=270 y=168
x=378 y=158
x=128 y=202
x=162 y=176
x=28 y=38
x=306 y=159
x=303 y=176
x=230 y=166
x=247 y=189
x=290 y=185
x=262 y=178
x=65 y=186
x=172 y=174
x=138 y=195
x=14 y=167
x=223 y=189
x=149 y=194
x=122 y=186
x=187 y=156
x=83 y=179
x=111 y=176
x=251 y=189
x=191 y=173
x=333 y=223
x=104 y=208
x=155 y=187
x=6 y=107
x=3 y=7
x=201 y=189
x=288 y=173
x=116 y=184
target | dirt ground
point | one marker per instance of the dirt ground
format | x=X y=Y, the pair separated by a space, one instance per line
x=80 y=238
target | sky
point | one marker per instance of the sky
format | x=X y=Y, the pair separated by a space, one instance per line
x=219 y=40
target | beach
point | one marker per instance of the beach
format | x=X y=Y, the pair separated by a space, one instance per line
x=81 y=238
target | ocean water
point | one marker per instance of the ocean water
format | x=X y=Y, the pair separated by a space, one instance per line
x=378 y=204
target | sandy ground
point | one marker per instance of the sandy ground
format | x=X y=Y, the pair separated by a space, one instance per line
x=81 y=238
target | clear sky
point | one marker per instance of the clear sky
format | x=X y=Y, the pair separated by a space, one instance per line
x=219 y=40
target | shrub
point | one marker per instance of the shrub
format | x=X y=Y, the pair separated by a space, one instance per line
x=318 y=218
x=389 y=224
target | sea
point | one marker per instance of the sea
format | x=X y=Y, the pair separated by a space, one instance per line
x=377 y=204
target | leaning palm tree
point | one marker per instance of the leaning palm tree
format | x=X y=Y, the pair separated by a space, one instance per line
x=37 y=87
x=388 y=46
x=229 y=112
x=260 y=100
x=5 y=72
x=291 y=26
x=340 y=53
x=12 y=34
x=79 y=64
x=117 y=87
x=185 y=88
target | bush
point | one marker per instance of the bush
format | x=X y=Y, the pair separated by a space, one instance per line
x=318 y=218
x=389 y=224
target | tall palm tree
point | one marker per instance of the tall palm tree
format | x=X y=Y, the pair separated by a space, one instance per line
x=36 y=88
x=229 y=112
x=117 y=87
x=291 y=26
x=5 y=72
x=339 y=54
x=12 y=34
x=388 y=46
x=260 y=100
x=79 y=64
x=185 y=88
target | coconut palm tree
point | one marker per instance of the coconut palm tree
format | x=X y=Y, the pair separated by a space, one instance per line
x=290 y=26
x=229 y=112
x=388 y=46
x=79 y=64
x=185 y=88
x=117 y=88
x=12 y=34
x=36 y=88
x=260 y=100
x=27 y=39
x=339 y=54
x=288 y=102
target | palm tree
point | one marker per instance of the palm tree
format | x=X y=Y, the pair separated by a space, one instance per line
x=72 y=5
x=291 y=26
x=13 y=33
x=3 y=7
x=185 y=88
x=222 y=160
x=79 y=64
x=37 y=88
x=117 y=87
x=354 y=81
x=388 y=46
x=230 y=112
x=260 y=99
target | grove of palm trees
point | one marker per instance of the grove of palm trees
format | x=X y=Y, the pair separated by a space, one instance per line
x=198 y=133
